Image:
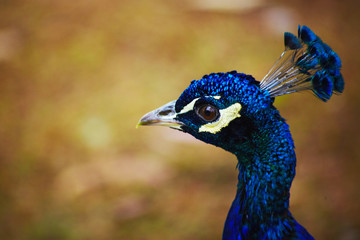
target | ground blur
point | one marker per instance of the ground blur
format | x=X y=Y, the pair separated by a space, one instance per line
x=76 y=76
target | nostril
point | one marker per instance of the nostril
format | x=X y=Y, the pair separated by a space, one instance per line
x=165 y=113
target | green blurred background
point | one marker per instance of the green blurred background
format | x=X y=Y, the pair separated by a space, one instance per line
x=76 y=76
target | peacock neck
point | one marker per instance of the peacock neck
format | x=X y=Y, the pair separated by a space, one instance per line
x=266 y=163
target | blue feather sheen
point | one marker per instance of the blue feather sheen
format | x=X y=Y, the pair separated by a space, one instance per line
x=259 y=137
x=291 y=41
x=307 y=35
x=266 y=157
x=339 y=83
x=304 y=57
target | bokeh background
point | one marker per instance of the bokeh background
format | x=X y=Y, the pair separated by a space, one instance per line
x=76 y=76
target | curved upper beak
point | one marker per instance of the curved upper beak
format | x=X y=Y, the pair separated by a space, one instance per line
x=163 y=116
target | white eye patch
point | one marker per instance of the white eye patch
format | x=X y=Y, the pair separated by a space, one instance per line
x=226 y=116
x=188 y=107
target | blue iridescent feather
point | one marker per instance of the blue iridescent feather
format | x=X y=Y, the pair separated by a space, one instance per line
x=255 y=132
x=262 y=142
x=306 y=64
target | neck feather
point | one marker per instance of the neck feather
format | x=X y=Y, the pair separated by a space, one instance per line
x=266 y=169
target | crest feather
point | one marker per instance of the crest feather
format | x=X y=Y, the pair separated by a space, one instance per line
x=306 y=64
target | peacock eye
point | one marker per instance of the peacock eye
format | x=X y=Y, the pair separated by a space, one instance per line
x=208 y=112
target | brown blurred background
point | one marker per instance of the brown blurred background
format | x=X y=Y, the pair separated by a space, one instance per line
x=76 y=76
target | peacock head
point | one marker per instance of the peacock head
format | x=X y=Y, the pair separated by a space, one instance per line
x=222 y=109
x=226 y=109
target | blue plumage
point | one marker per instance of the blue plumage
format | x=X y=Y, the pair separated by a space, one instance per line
x=306 y=64
x=235 y=112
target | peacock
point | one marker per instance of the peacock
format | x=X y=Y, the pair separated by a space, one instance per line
x=235 y=112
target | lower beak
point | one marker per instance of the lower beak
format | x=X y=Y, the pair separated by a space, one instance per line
x=163 y=116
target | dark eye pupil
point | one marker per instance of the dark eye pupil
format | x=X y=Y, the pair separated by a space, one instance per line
x=208 y=112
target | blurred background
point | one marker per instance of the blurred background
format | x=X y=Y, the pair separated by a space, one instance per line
x=76 y=76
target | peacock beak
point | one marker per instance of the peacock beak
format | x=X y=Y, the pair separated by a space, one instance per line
x=163 y=116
